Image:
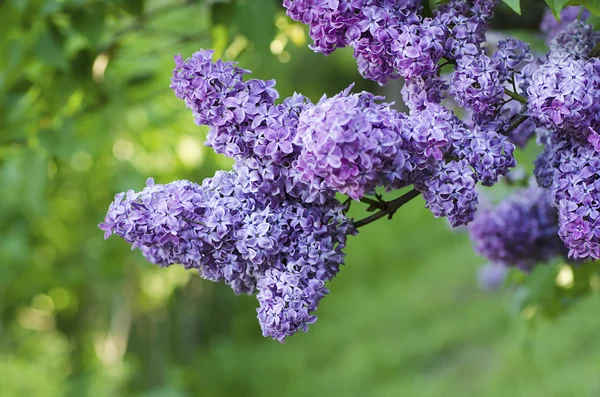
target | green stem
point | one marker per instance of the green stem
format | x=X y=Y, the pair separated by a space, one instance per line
x=390 y=208
x=515 y=96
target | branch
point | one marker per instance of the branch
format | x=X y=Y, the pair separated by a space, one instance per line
x=378 y=204
x=390 y=208
x=517 y=121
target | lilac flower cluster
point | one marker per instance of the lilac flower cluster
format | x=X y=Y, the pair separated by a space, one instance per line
x=570 y=169
x=564 y=94
x=418 y=48
x=219 y=98
x=576 y=40
x=353 y=144
x=391 y=38
x=368 y=26
x=418 y=91
x=521 y=231
x=259 y=228
x=550 y=26
x=489 y=153
x=448 y=159
x=476 y=83
x=450 y=191
x=466 y=23
x=229 y=236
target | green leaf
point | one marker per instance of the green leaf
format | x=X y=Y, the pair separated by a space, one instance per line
x=515 y=5
x=135 y=7
x=89 y=22
x=49 y=48
x=556 y=6
x=257 y=23
x=60 y=142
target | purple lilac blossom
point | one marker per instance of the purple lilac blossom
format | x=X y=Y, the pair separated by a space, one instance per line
x=368 y=26
x=551 y=26
x=574 y=166
x=565 y=94
x=476 y=84
x=418 y=91
x=512 y=55
x=488 y=152
x=426 y=134
x=450 y=191
x=220 y=99
x=287 y=298
x=521 y=231
x=351 y=142
x=227 y=235
x=576 y=40
x=466 y=23
x=418 y=48
x=182 y=222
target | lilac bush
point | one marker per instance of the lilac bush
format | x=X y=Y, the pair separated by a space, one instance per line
x=274 y=226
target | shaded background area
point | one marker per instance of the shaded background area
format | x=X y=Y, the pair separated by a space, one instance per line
x=86 y=112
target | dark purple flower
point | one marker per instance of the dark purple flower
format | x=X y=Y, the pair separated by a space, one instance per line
x=521 y=231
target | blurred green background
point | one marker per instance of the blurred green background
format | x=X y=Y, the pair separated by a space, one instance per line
x=86 y=112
